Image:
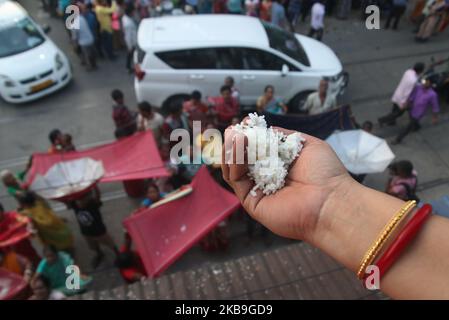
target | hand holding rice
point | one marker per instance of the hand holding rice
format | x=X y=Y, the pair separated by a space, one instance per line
x=269 y=153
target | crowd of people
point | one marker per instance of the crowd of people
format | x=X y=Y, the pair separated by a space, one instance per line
x=46 y=270
x=47 y=273
x=109 y=26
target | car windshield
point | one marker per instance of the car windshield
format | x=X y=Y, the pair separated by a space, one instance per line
x=286 y=42
x=19 y=36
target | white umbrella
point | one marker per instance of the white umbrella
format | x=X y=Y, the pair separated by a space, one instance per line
x=67 y=178
x=361 y=152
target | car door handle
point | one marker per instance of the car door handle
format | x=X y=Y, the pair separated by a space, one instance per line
x=197 y=76
x=249 y=77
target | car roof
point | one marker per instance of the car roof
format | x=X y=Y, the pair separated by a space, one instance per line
x=10 y=11
x=201 y=30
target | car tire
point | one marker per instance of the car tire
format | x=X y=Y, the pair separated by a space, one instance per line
x=175 y=100
x=295 y=104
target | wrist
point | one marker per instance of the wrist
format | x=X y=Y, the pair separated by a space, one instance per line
x=351 y=219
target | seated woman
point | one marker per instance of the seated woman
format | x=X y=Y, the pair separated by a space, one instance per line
x=153 y=195
x=269 y=103
x=156 y=198
x=54 y=266
x=403 y=181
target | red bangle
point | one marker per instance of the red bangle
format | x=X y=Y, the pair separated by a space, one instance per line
x=403 y=239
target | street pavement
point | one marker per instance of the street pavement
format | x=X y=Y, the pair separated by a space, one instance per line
x=375 y=60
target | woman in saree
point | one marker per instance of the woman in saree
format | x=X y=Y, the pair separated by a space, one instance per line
x=429 y=25
x=269 y=103
x=54 y=267
x=51 y=229
x=444 y=21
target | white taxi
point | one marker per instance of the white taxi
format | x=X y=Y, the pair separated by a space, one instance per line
x=31 y=65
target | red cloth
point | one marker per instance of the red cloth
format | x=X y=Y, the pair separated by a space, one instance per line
x=13 y=229
x=130 y=158
x=26 y=249
x=12 y=286
x=163 y=234
x=14 y=234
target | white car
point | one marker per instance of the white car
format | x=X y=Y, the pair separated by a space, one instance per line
x=31 y=65
x=179 y=54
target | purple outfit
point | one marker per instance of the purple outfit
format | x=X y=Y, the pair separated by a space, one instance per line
x=421 y=98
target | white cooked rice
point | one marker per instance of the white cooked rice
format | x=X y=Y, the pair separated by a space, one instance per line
x=270 y=153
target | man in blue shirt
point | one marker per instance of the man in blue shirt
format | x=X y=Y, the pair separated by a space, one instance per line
x=84 y=38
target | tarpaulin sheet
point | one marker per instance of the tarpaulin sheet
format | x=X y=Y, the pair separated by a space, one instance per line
x=164 y=233
x=130 y=158
x=321 y=125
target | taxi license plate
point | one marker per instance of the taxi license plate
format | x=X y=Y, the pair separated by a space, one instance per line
x=41 y=86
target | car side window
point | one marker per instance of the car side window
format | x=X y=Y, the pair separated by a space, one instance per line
x=255 y=59
x=189 y=59
x=203 y=58
x=229 y=58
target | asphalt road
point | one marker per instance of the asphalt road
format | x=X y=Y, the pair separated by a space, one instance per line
x=375 y=60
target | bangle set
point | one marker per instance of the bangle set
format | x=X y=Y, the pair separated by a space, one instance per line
x=398 y=245
x=379 y=243
x=403 y=239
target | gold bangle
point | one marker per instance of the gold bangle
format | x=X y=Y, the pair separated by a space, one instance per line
x=377 y=245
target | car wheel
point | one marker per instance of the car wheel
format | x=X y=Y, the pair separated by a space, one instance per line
x=176 y=100
x=295 y=105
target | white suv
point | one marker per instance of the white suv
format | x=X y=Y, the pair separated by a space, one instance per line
x=177 y=55
x=31 y=65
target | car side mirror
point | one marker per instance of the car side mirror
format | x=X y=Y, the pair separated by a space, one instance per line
x=285 y=70
x=46 y=28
